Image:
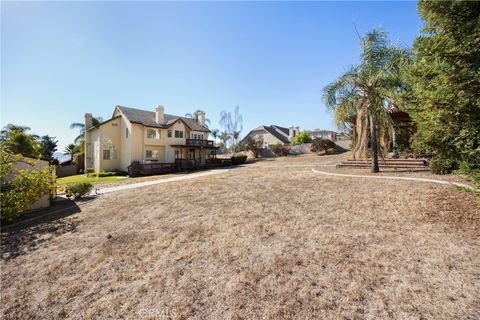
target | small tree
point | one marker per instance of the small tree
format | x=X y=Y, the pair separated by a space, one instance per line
x=71 y=150
x=22 y=188
x=232 y=124
x=255 y=145
x=320 y=144
x=47 y=146
x=301 y=138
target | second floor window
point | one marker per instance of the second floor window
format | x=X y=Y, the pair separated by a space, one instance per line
x=151 y=133
x=178 y=134
x=169 y=133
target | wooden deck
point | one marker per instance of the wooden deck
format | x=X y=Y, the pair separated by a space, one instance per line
x=146 y=169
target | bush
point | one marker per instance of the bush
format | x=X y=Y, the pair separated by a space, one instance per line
x=101 y=174
x=443 y=166
x=239 y=159
x=301 y=138
x=89 y=170
x=22 y=188
x=320 y=144
x=280 y=149
x=78 y=189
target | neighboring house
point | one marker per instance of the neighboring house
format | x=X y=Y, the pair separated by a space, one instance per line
x=134 y=135
x=272 y=134
x=324 y=134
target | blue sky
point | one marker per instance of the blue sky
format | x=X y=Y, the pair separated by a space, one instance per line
x=60 y=60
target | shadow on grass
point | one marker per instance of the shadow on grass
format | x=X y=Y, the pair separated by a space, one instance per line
x=34 y=228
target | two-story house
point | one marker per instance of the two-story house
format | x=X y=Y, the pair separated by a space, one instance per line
x=134 y=135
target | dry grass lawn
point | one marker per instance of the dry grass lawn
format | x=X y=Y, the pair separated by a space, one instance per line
x=271 y=240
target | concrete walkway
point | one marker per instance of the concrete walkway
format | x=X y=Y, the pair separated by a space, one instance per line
x=160 y=181
x=396 y=178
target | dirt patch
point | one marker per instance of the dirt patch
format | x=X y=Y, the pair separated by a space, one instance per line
x=269 y=240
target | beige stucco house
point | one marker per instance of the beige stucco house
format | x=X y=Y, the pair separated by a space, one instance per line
x=135 y=135
x=272 y=134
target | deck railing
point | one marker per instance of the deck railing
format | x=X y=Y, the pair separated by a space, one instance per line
x=199 y=143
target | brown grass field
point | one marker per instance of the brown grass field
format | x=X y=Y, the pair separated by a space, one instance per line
x=270 y=240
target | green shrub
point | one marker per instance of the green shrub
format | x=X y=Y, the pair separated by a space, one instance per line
x=22 y=188
x=89 y=170
x=101 y=174
x=471 y=174
x=78 y=190
x=301 y=138
x=443 y=166
x=239 y=159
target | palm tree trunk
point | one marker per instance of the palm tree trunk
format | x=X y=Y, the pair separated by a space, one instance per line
x=373 y=141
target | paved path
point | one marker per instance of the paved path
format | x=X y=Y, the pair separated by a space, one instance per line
x=396 y=178
x=160 y=181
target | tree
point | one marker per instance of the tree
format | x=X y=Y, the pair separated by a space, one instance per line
x=319 y=144
x=47 y=146
x=445 y=83
x=215 y=133
x=255 y=145
x=194 y=116
x=15 y=139
x=366 y=91
x=301 y=138
x=78 y=125
x=232 y=124
x=21 y=188
x=224 y=137
x=71 y=150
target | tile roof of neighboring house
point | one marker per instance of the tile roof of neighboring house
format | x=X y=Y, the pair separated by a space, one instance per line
x=278 y=132
x=281 y=129
x=147 y=118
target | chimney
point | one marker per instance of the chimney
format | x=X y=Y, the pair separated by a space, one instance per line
x=201 y=118
x=159 y=114
x=88 y=121
x=297 y=130
x=291 y=132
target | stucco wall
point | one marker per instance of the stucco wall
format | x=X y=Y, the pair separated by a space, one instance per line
x=268 y=139
x=44 y=201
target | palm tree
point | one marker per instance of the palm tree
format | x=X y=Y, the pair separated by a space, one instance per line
x=365 y=92
x=78 y=125
x=194 y=116
x=215 y=133
x=16 y=139
x=71 y=150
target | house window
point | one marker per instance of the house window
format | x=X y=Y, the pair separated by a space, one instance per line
x=126 y=133
x=169 y=133
x=177 y=154
x=178 y=134
x=151 y=133
x=151 y=154
x=109 y=154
